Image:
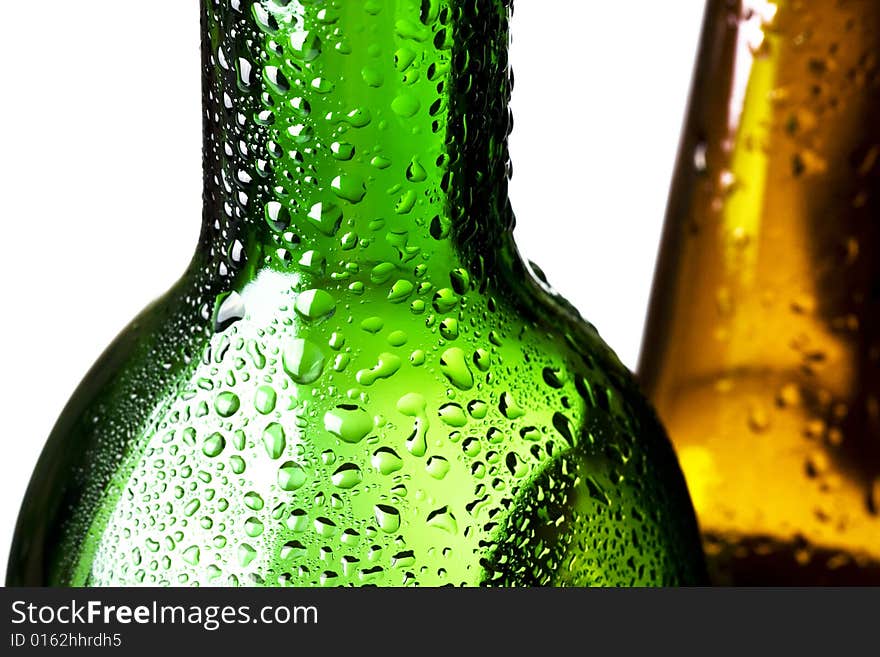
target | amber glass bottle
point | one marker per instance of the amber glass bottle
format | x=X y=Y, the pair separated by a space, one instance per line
x=763 y=341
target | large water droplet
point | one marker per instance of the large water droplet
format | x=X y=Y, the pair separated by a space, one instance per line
x=350 y=188
x=292 y=550
x=348 y=422
x=347 y=476
x=453 y=415
x=274 y=440
x=246 y=554
x=303 y=361
x=453 y=364
x=386 y=460
x=227 y=404
x=387 y=517
x=387 y=366
x=253 y=501
x=265 y=399
x=291 y=476
x=192 y=555
x=315 y=304
x=253 y=527
x=230 y=308
x=405 y=105
x=214 y=445
x=437 y=467
x=443 y=519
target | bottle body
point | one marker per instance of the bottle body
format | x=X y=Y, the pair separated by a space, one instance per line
x=761 y=349
x=358 y=381
x=458 y=463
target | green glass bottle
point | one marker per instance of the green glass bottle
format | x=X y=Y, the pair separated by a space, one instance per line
x=357 y=381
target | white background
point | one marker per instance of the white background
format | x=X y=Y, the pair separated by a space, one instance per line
x=100 y=176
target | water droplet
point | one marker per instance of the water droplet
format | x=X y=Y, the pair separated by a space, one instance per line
x=443 y=519
x=471 y=446
x=509 y=408
x=759 y=419
x=517 y=467
x=449 y=329
x=445 y=300
x=482 y=359
x=275 y=80
x=415 y=172
x=327 y=217
x=400 y=291
x=293 y=550
x=495 y=436
x=387 y=366
x=412 y=404
x=191 y=508
x=373 y=76
x=214 y=445
x=789 y=395
x=349 y=187
x=347 y=476
x=274 y=440
x=227 y=404
x=397 y=338
x=817 y=463
x=386 y=460
x=192 y=555
x=246 y=554
x=453 y=415
x=325 y=527
x=265 y=399
x=562 y=424
x=306 y=45
x=373 y=324
x=315 y=304
x=297 y=521
x=253 y=501
x=406 y=203
x=700 y=152
x=230 y=308
x=552 y=377
x=453 y=364
x=253 y=527
x=404 y=56
x=478 y=409
x=597 y=492
x=380 y=162
x=277 y=216
x=291 y=476
x=406 y=105
x=342 y=151
x=253 y=350
x=303 y=361
x=348 y=422
x=437 y=467
x=387 y=517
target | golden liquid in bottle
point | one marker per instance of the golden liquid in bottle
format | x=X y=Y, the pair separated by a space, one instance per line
x=763 y=341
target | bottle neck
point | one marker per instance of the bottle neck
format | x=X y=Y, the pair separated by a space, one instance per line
x=772 y=214
x=344 y=134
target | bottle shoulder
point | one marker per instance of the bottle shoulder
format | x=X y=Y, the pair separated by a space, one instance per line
x=110 y=407
x=314 y=412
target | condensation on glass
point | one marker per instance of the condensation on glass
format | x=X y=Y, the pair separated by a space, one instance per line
x=357 y=381
x=763 y=342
